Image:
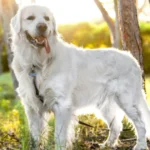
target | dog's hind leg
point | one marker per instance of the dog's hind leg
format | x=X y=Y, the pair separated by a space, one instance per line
x=145 y=113
x=134 y=113
x=113 y=116
x=64 y=128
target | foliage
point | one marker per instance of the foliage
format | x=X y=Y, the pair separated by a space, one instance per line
x=88 y=35
x=145 y=32
x=9 y=125
x=128 y=130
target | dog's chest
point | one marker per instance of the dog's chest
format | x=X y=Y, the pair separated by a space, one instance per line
x=36 y=75
x=35 y=72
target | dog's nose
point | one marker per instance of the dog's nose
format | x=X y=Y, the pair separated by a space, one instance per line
x=42 y=27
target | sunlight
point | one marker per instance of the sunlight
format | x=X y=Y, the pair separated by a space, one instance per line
x=72 y=11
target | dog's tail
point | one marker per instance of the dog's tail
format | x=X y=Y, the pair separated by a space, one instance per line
x=145 y=113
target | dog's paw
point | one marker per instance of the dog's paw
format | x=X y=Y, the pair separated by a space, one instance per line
x=140 y=147
x=108 y=145
x=102 y=146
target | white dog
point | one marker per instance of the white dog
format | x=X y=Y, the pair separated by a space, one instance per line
x=106 y=81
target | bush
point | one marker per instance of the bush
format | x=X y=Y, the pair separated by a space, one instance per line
x=145 y=32
x=88 y=35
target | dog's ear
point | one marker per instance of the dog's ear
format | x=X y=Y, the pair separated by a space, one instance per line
x=54 y=27
x=16 y=22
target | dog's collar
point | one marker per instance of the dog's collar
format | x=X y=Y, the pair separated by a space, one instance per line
x=32 y=72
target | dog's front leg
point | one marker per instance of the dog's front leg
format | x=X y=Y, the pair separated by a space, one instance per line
x=64 y=128
x=58 y=97
x=26 y=89
x=36 y=123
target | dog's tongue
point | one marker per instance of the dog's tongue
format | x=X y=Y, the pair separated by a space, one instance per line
x=40 y=39
x=46 y=44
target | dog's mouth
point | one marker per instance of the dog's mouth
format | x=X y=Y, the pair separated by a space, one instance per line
x=39 y=41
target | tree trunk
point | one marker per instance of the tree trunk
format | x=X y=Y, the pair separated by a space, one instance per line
x=8 y=9
x=130 y=33
x=117 y=41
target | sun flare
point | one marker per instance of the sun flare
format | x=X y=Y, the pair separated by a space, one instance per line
x=71 y=11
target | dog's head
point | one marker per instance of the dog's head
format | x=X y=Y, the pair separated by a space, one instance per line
x=36 y=23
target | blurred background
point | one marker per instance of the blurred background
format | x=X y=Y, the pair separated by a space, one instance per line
x=85 y=23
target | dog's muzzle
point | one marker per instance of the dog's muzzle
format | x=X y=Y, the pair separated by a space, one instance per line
x=41 y=28
x=38 y=41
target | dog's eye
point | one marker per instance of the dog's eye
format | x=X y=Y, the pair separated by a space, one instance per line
x=46 y=18
x=31 y=18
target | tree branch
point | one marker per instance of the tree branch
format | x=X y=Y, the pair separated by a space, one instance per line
x=105 y=14
x=141 y=8
x=108 y=20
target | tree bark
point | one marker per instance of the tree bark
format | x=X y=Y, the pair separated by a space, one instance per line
x=117 y=31
x=130 y=33
x=8 y=9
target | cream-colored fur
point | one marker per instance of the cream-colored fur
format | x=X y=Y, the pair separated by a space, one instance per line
x=106 y=81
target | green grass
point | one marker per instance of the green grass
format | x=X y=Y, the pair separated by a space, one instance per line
x=6 y=79
x=6 y=87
